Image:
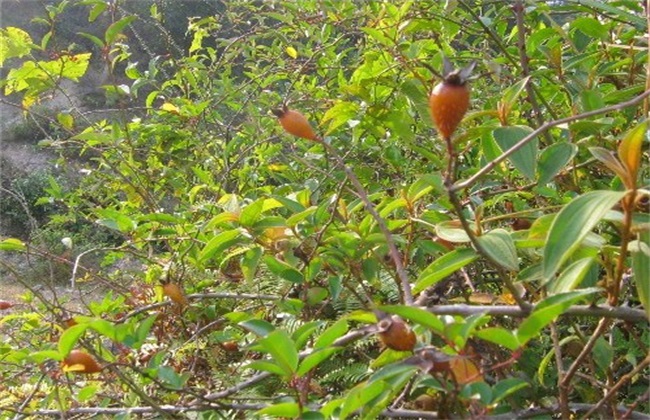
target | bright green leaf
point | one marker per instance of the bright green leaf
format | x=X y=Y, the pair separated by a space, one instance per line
x=553 y=159
x=498 y=244
x=444 y=266
x=572 y=225
x=524 y=159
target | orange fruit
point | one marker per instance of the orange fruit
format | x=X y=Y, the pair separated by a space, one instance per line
x=295 y=123
x=395 y=334
x=449 y=100
x=80 y=362
x=175 y=293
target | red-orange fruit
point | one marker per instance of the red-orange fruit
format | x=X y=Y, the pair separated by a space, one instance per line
x=449 y=100
x=5 y=305
x=81 y=362
x=395 y=334
x=295 y=123
x=175 y=293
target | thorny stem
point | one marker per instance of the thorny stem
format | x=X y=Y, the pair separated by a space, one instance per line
x=392 y=248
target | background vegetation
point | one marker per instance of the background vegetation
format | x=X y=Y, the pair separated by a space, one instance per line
x=244 y=272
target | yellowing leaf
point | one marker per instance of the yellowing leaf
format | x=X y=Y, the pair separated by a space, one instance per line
x=629 y=151
x=169 y=107
x=464 y=370
x=291 y=52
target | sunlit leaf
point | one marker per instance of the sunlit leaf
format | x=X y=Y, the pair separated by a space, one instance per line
x=572 y=225
x=498 y=244
x=444 y=266
x=524 y=159
x=630 y=150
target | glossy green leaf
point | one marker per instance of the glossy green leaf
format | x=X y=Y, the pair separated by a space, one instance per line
x=500 y=336
x=511 y=95
x=257 y=326
x=283 y=270
x=524 y=159
x=548 y=310
x=12 y=244
x=266 y=366
x=603 y=354
x=444 y=266
x=571 y=277
x=416 y=315
x=116 y=28
x=498 y=244
x=640 y=252
x=284 y=409
x=507 y=387
x=69 y=338
x=360 y=396
x=331 y=333
x=572 y=225
x=553 y=159
x=219 y=243
x=315 y=359
x=607 y=157
x=282 y=350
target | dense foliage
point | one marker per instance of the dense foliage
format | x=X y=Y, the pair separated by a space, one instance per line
x=375 y=270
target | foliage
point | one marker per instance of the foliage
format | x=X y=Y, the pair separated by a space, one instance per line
x=265 y=264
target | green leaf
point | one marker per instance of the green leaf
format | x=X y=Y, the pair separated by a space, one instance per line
x=250 y=261
x=500 y=336
x=257 y=326
x=511 y=95
x=251 y=213
x=283 y=270
x=12 y=244
x=603 y=354
x=315 y=359
x=285 y=409
x=572 y=225
x=69 y=338
x=302 y=334
x=452 y=231
x=444 y=266
x=87 y=393
x=14 y=43
x=219 y=243
x=416 y=315
x=360 y=396
x=630 y=151
x=498 y=244
x=114 y=30
x=553 y=159
x=507 y=387
x=571 y=277
x=547 y=311
x=282 y=350
x=116 y=220
x=640 y=251
x=524 y=159
x=608 y=158
x=266 y=366
x=331 y=333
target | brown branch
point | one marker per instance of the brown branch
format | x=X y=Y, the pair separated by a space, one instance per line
x=622 y=313
x=614 y=390
x=521 y=143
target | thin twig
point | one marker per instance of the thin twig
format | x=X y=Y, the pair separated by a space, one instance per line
x=614 y=390
x=392 y=248
x=513 y=311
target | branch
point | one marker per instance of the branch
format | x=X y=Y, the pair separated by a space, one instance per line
x=621 y=312
x=487 y=168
